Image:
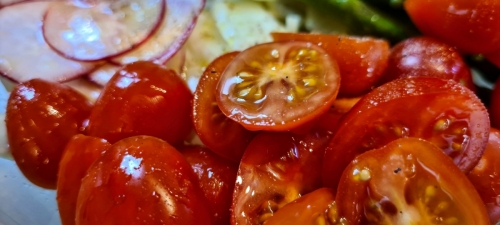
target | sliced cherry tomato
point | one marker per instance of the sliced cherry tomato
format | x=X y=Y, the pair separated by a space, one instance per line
x=317 y=207
x=80 y=152
x=441 y=111
x=219 y=133
x=41 y=118
x=278 y=86
x=276 y=169
x=330 y=119
x=143 y=98
x=486 y=176
x=427 y=57
x=141 y=180
x=361 y=61
x=471 y=25
x=495 y=105
x=217 y=177
x=408 y=181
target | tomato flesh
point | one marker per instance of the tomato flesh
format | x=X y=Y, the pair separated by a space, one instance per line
x=317 y=207
x=80 y=152
x=219 y=133
x=361 y=61
x=276 y=169
x=216 y=177
x=278 y=86
x=427 y=57
x=41 y=118
x=408 y=181
x=141 y=180
x=486 y=176
x=143 y=98
x=441 y=111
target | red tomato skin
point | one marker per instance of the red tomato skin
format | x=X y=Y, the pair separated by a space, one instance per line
x=486 y=176
x=220 y=134
x=361 y=61
x=80 y=152
x=217 y=177
x=471 y=26
x=276 y=166
x=143 y=98
x=494 y=109
x=427 y=57
x=141 y=180
x=389 y=181
x=391 y=102
x=41 y=118
x=306 y=209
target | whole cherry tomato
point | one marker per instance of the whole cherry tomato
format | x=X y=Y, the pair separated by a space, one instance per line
x=361 y=61
x=217 y=177
x=427 y=57
x=408 y=181
x=441 y=111
x=220 y=134
x=278 y=86
x=143 y=98
x=80 y=152
x=471 y=25
x=486 y=176
x=141 y=180
x=41 y=118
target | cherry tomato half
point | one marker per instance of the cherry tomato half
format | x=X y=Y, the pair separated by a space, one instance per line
x=143 y=98
x=219 y=133
x=486 y=176
x=278 y=86
x=317 y=207
x=217 y=177
x=80 y=152
x=361 y=61
x=41 y=118
x=471 y=25
x=276 y=169
x=441 y=111
x=408 y=181
x=141 y=180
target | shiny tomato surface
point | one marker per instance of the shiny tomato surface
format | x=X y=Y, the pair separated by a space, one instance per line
x=361 y=60
x=470 y=25
x=278 y=86
x=143 y=98
x=220 y=134
x=486 y=176
x=427 y=57
x=440 y=111
x=141 y=180
x=41 y=118
x=80 y=152
x=408 y=181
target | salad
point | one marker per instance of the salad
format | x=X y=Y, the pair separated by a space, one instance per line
x=249 y=112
